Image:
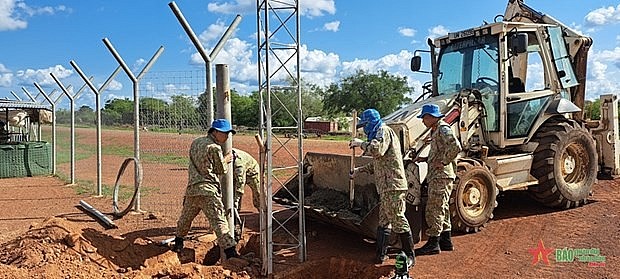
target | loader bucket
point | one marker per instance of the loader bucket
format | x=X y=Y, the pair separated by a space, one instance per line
x=326 y=194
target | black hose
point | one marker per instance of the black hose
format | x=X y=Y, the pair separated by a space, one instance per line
x=138 y=166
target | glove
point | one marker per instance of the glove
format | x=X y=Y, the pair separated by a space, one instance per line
x=354 y=172
x=355 y=143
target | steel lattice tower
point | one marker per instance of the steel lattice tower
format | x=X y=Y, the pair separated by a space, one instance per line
x=278 y=73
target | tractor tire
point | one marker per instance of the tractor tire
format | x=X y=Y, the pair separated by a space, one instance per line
x=473 y=198
x=565 y=164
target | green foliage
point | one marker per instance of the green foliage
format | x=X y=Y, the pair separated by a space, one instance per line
x=245 y=109
x=120 y=109
x=592 y=110
x=382 y=91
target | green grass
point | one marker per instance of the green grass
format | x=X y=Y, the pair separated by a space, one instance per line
x=127 y=151
x=87 y=187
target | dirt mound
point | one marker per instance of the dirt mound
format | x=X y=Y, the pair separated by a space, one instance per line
x=337 y=268
x=59 y=248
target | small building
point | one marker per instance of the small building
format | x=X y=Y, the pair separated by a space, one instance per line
x=320 y=125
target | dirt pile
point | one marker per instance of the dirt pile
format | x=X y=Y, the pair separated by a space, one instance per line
x=58 y=248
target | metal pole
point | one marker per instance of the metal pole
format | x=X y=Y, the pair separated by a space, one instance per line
x=39 y=120
x=72 y=102
x=224 y=111
x=205 y=57
x=300 y=164
x=98 y=114
x=15 y=95
x=28 y=94
x=53 y=105
x=209 y=91
x=136 y=107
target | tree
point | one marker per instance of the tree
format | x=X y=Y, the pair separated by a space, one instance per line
x=183 y=112
x=382 y=91
x=153 y=111
x=121 y=109
x=245 y=109
x=85 y=115
x=592 y=110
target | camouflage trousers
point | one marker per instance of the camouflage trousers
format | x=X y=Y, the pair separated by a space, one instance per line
x=438 y=206
x=211 y=205
x=252 y=181
x=392 y=208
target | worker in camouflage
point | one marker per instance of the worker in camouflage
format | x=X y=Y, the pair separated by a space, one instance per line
x=383 y=145
x=441 y=160
x=203 y=192
x=246 y=172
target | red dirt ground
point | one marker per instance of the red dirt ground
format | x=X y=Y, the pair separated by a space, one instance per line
x=44 y=234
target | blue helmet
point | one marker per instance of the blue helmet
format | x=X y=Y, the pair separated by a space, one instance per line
x=222 y=125
x=371 y=121
x=431 y=109
x=368 y=116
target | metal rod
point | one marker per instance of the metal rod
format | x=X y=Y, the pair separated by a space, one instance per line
x=224 y=111
x=28 y=94
x=53 y=105
x=106 y=221
x=205 y=57
x=98 y=114
x=72 y=102
x=220 y=44
x=189 y=31
x=15 y=95
x=136 y=106
x=119 y=59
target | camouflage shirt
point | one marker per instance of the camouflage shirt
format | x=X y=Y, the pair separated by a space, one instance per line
x=388 y=165
x=205 y=165
x=444 y=148
x=244 y=164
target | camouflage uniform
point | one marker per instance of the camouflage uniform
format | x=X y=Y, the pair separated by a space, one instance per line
x=390 y=178
x=246 y=173
x=444 y=148
x=203 y=190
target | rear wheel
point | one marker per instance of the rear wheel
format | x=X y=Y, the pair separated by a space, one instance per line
x=473 y=198
x=565 y=164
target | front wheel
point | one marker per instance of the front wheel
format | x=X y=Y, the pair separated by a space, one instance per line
x=565 y=164
x=473 y=198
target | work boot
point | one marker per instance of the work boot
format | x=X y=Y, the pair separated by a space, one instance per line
x=231 y=252
x=406 y=241
x=178 y=244
x=431 y=247
x=383 y=236
x=445 y=241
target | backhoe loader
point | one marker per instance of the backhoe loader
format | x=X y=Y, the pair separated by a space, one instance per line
x=514 y=92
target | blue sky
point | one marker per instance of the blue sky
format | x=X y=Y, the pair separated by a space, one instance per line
x=338 y=37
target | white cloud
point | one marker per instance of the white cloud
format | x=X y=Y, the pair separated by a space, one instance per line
x=138 y=65
x=610 y=56
x=42 y=76
x=9 y=20
x=13 y=13
x=333 y=26
x=6 y=76
x=407 y=32
x=213 y=33
x=603 y=16
x=437 y=31
x=114 y=85
x=601 y=77
x=310 y=8
x=6 y=79
x=238 y=55
x=47 y=10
